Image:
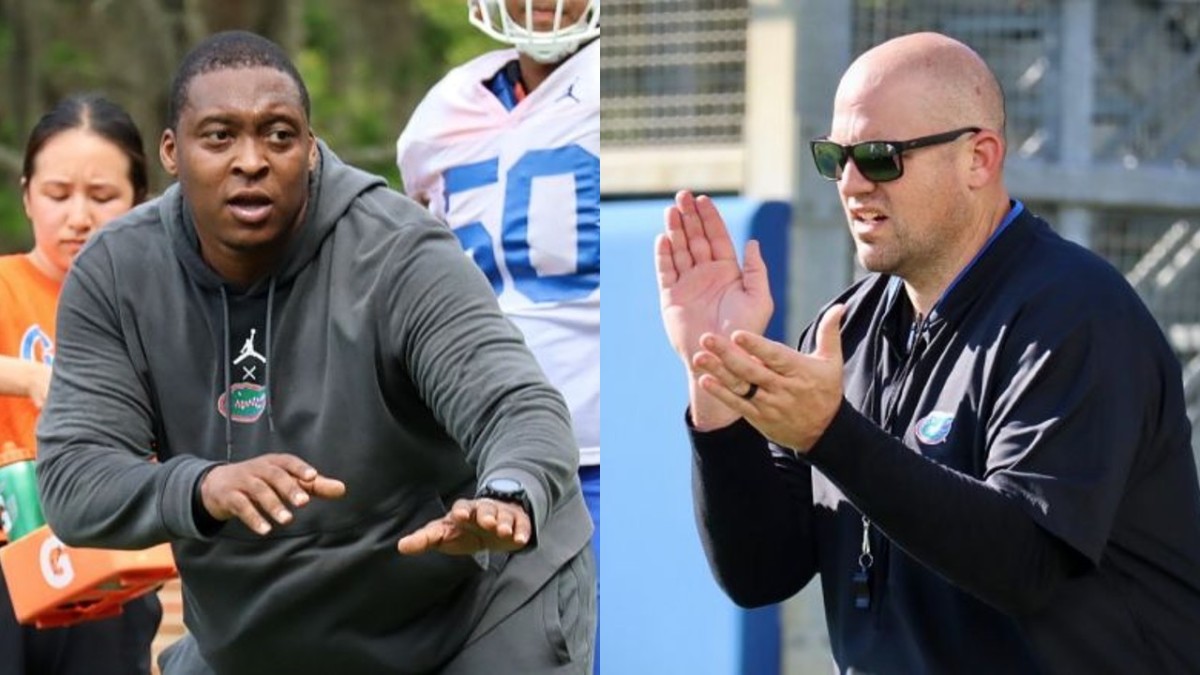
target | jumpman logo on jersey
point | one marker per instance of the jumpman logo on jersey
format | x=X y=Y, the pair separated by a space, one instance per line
x=570 y=93
x=248 y=350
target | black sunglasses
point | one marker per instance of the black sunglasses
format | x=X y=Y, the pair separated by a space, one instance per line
x=877 y=161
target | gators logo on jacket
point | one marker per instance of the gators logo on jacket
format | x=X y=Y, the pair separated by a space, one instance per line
x=249 y=402
x=934 y=427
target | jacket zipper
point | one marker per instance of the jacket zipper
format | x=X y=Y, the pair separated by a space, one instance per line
x=867 y=582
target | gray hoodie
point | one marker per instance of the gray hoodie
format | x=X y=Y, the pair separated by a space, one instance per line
x=385 y=363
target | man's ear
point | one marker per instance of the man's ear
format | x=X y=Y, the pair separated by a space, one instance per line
x=987 y=158
x=166 y=152
x=313 y=152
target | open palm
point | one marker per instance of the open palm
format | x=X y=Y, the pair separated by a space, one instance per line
x=702 y=288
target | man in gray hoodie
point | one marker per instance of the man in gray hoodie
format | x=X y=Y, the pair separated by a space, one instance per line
x=323 y=378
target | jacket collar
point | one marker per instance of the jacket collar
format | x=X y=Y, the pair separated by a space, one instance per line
x=998 y=253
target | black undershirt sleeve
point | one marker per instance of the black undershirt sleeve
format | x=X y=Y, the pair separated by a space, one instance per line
x=205 y=522
x=966 y=530
x=754 y=513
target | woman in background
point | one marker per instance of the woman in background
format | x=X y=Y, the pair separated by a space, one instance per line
x=84 y=165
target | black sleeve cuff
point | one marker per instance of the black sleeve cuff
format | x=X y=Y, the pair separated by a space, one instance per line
x=205 y=522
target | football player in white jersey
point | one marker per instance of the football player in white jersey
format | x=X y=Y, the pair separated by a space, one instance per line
x=506 y=149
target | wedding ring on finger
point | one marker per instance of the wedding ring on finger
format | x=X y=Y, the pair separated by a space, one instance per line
x=750 y=392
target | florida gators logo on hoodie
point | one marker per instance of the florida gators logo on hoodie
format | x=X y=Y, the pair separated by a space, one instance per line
x=249 y=402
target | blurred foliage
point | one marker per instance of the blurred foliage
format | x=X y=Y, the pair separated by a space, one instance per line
x=367 y=63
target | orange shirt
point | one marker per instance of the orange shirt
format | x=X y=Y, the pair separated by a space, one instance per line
x=28 y=302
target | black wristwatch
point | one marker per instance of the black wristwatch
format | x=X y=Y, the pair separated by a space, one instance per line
x=506 y=490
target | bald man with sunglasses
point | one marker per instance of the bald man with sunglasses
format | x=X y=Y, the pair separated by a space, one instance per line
x=981 y=447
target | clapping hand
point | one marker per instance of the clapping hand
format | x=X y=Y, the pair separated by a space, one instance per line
x=788 y=396
x=703 y=289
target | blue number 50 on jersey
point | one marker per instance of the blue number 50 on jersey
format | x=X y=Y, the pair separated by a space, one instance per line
x=514 y=246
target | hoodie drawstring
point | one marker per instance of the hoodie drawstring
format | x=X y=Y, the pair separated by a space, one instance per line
x=267 y=350
x=228 y=380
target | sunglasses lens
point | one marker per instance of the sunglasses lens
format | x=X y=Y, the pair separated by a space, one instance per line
x=878 y=162
x=829 y=158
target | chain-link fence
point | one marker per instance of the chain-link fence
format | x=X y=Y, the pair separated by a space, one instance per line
x=1017 y=38
x=673 y=72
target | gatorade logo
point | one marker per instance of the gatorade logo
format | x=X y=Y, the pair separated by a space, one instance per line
x=36 y=345
x=56 y=564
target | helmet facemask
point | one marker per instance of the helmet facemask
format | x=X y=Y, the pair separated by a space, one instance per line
x=544 y=46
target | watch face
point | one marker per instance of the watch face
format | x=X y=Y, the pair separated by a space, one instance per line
x=504 y=485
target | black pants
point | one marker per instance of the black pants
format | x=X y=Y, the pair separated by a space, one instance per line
x=116 y=646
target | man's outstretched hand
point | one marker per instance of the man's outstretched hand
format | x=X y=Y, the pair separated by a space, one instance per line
x=260 y=490
x=472 y=525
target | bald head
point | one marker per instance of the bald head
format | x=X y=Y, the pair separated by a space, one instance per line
x=925 y=76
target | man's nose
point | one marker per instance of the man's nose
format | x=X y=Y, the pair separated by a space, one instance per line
x=853 y=182
x=250 y=159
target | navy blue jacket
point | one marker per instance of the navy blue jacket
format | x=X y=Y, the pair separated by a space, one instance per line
x=1023 y=456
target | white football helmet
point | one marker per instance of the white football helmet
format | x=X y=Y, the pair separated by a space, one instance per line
x=544 y=46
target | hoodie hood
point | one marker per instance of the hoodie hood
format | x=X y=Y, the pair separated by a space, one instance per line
x=332 y=187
